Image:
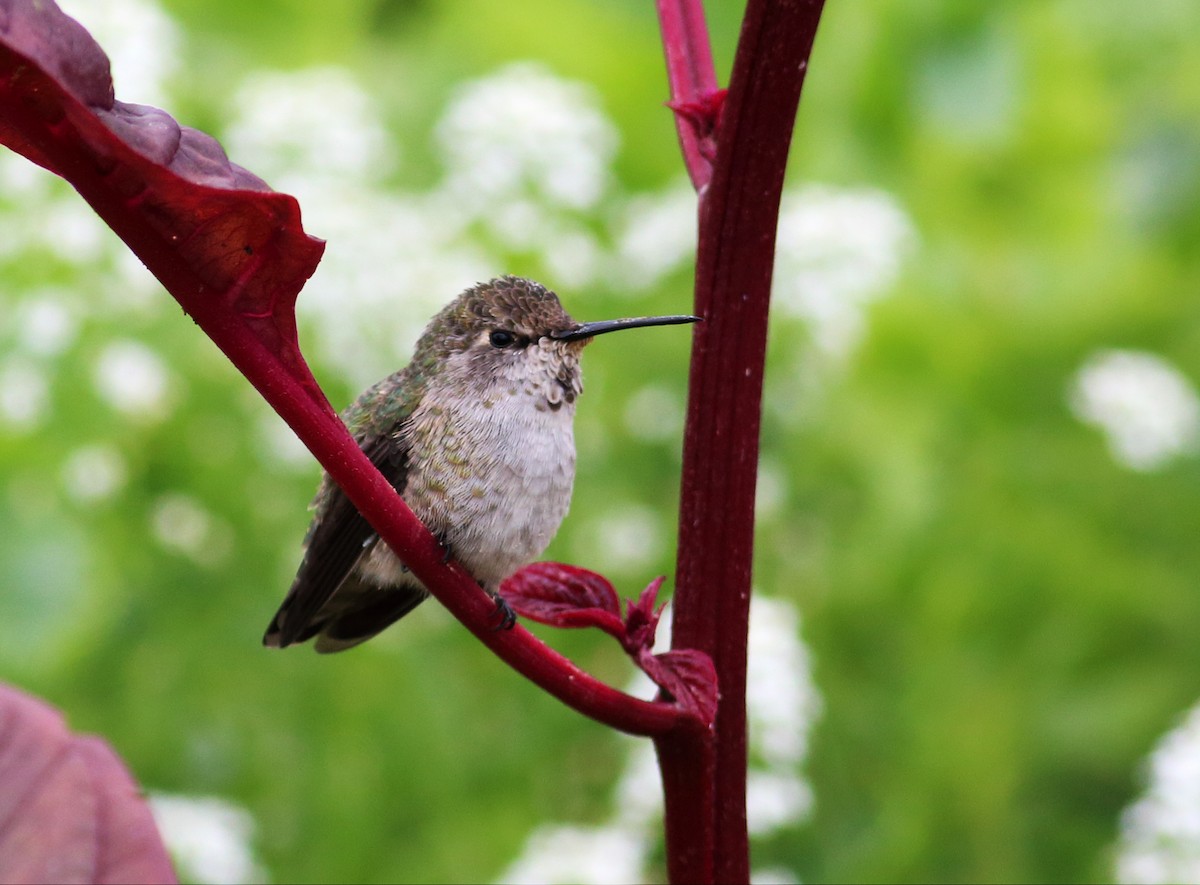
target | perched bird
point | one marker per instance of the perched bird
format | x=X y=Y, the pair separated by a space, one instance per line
x=477 y=436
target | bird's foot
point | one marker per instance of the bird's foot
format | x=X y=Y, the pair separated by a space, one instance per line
x=443 y=539
x=506 y=618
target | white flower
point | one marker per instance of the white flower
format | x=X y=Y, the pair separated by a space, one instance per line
x=771 y=489
x=1147 y=409
x=24 y=393
x=180 y=523
x=46 y=324
x=655 y=413
x=656 y=234
x=775 y=800
x=782 y=702
x=312 y=133
x=837 y=251
x=781 y=706
x=524 y=131
x=209 y=838
x=133 y=379
x=586 y=855
x=626 y=537
x=94 y=473
x=1160 y=832
x=142 y=43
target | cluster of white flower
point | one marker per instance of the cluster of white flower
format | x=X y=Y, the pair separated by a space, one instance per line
x=1147 y=409
x=210 y=839
x=142 y=43
x=527 y=158
x=782 y=705
x=838 y=250
x=1160 y=832
x=127 y=375
x=134 y=380
x=181 y=524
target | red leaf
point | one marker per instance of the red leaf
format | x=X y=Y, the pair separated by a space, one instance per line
x=704 y=116
x=688 y=676
x=226 y=246
x=641 y=620
x=69 y=811
x=564 y=596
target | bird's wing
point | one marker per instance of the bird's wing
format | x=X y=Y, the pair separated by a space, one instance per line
x=336 y=540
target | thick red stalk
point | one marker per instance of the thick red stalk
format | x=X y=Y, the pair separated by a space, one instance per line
x=738 y=215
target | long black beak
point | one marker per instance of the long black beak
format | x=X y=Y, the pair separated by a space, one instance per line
x=591 y=330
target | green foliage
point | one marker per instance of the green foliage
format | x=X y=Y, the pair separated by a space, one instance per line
x=1002 y=616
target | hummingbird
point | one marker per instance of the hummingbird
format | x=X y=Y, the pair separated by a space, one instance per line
x=476 y=433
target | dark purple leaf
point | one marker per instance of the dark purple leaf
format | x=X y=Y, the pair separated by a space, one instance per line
x=688 y=676
x=69 y=811
x=564 y=596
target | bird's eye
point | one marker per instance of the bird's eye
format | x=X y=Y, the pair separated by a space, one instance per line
x=501 y=338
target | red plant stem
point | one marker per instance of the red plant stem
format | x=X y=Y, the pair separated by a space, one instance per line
x=738 y=216
x=690 y=74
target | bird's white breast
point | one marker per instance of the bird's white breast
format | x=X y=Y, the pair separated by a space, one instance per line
x=492 y=475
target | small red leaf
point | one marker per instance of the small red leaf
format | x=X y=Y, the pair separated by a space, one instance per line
x=688 y=676
x=69 y=811
x=704 y=116
x=564 y=596
x=641 y=619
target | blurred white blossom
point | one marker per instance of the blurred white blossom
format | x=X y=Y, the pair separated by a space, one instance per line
x=210 y=839
x=142 y=43
x=20 y=182
x=775 y=800
x=1146 y=408
x=527 y=154
x=393 y=259
x=278 y=443
x=309 y=133
x=626 y=536
x=771 y=489
x=133 y=379
x=572 y=255
x=838 y=250
x=773 y=876
x=1160 y=832
x=656 y=233
x=586 y=855
x=782 y=704
x=181 y=523
x=390 y=266
x=93 y=473
x=522 y=131
x=781 y=700
x=655 y=413
x=46 y=324
x=72 y=233
x=24 y=393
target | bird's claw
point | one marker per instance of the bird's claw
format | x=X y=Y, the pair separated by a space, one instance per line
x=444 y=542
x=507 y=618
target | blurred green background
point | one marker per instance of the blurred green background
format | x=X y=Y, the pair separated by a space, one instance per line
x=988 y=273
